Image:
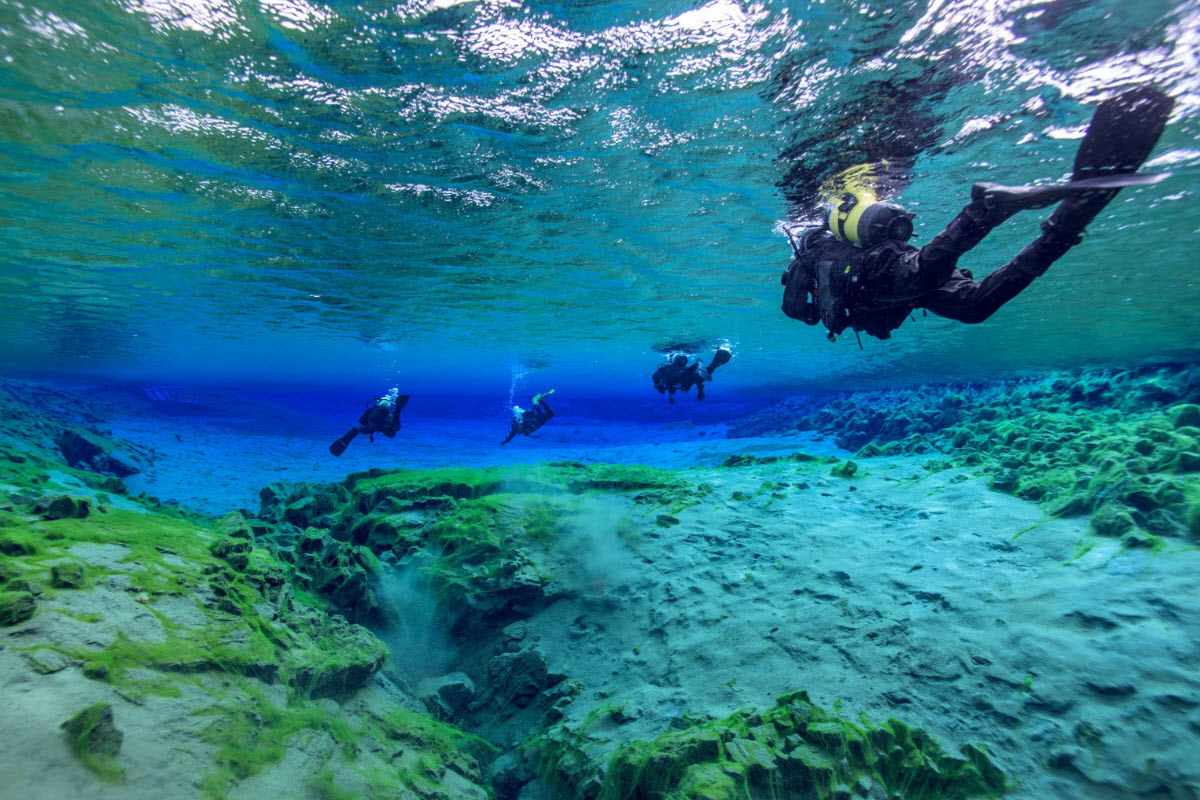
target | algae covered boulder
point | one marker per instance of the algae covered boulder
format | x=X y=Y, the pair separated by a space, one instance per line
x=66 y=576
x=235 y=552
x=95 y=740
x=16 y=607
x=1185 y=416
x=1112 y=519
x=86 y=450
x=348 y=659
x=846 y=470
x=340 y=572
x=796 y=750
x=301 y=504
x=62 y=506
x=235 y=526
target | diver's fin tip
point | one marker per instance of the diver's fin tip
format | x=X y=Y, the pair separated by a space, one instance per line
x=1122 y=133
x=1019 y=198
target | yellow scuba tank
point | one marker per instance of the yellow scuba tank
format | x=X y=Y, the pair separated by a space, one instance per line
x=861 y=219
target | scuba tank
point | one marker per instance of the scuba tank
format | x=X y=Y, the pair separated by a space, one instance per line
x=863 y=220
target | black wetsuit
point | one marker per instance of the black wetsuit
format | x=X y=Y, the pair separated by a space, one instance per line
x=874 y=290
x=382 y=417
x=671 y=379
x=529 y=420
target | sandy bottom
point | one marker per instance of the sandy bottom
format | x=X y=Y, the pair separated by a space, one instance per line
x=906 y=593
x=910 y=591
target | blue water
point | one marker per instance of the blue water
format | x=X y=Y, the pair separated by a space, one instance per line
x=273 y=211
x=457 y=196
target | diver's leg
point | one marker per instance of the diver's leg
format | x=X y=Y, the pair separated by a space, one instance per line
x=961 y=236
x=548 y=411
x=720 y=357
x=965 y=300
x=1119 y=139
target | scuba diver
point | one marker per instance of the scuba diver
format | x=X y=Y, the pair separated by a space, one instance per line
x=857 y=270
x=527 y=421
x=382 y=416
x=677 y=375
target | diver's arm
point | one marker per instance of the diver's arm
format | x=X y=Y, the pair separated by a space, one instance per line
x=798 y=279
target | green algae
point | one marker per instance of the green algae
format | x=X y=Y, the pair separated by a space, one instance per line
x=1052 y=443
x=443 y=739
x=1085 y=547
x=471 y=532
x=429 y=749
x=847 y=470
x=794 y=749
x=326 y=788
x=424 y=487
x=249 y=627
x=95 y=742
x=250 y=733
x=16 y=607
x=746 y=460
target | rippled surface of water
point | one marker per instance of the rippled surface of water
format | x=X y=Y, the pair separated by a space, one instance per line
x=452 y=193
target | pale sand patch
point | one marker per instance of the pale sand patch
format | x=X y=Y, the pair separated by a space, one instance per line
x=900 y=593
x=161 y=752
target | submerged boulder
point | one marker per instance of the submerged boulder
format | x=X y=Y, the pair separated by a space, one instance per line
x=16 y=607
x=349 y=659
x=66 y=576
x=515 y=678
x=95 y=740
x=83 y=449
x=61 y=506
x=447 y=696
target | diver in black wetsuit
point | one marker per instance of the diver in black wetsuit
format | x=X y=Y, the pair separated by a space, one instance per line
x=677 y=375
x=382 y=416
x=858 y=271
x=526 y=421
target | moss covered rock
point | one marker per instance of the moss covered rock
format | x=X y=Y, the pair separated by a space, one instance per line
x=796 y=750
x=62 y=507
x=95 y=740
x=66 y=576
x=346 y=659
x=16 y=607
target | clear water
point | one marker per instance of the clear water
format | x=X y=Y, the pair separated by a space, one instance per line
x=463 y=196
x=279 y=208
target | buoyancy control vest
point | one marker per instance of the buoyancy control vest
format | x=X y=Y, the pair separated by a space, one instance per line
x=835 y=283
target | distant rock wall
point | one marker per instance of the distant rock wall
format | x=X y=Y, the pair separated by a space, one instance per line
x=1121 y=445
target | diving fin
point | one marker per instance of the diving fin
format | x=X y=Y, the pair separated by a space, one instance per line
x=1018 y=198
x=1122 y=133
x=340 y=445
x=1119 y=139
